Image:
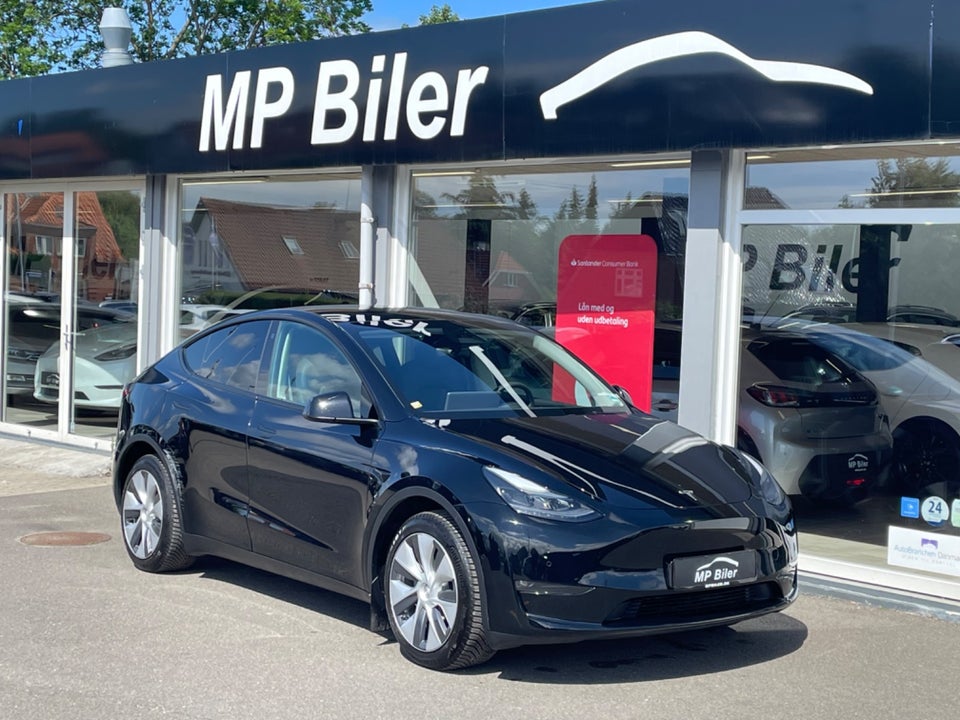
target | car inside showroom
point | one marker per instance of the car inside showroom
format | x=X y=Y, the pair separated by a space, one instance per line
x=745 y=217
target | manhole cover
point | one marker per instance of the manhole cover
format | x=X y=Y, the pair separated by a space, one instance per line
x=60 y=539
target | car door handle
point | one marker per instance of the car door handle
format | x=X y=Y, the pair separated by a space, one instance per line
x=265 y=431
x=666 y=405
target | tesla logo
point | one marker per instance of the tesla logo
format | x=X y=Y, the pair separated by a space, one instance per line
x=721 y=569
x=683 y=44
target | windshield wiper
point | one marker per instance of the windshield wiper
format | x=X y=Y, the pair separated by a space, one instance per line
x=503 y=382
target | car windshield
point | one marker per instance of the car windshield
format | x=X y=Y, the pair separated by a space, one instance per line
x=444 y=368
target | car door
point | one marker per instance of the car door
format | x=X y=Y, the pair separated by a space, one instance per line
x=310 y=482
x=214 y=409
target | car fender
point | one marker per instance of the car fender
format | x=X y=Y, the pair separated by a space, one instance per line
x=124 y=456
x=415 y=488
x=945 y=411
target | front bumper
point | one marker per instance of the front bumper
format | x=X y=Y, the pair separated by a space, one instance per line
x=97 y=386
x=609 y=579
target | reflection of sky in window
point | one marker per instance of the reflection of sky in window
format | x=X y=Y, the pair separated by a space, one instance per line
x=339 y=193
x=821 y=185
x=549 y=190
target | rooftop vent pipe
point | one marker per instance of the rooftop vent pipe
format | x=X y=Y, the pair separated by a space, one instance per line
x=116 y=30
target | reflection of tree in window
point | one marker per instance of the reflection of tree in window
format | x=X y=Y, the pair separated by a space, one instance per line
x=914 y=182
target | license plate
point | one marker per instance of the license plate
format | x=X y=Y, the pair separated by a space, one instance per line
x=712 y=571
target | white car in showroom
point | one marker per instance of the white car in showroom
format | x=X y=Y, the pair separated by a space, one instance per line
x=105 y=358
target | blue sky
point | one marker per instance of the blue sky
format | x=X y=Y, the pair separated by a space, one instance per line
x=391 y=14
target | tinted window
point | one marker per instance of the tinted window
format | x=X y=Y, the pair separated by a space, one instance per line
x=230 y=356
x=305 y=363
x=454 y=367
x=797 y=360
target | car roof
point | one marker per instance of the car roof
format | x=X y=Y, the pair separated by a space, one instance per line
x=352 y=315
x=913 y=333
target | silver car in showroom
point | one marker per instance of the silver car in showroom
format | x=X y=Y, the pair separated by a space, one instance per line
x=807 y=414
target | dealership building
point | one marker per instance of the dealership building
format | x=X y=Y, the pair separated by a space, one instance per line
x=719 y=205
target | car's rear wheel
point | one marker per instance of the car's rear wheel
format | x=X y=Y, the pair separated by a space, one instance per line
x=151 y=517
x=433 y=595
x=926 y=456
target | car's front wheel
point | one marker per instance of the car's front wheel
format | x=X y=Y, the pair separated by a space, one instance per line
x=433 y=594
x=151 y=517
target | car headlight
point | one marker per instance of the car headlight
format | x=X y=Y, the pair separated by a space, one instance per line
x=529 y=498
x=120 y=353
x=769 y=487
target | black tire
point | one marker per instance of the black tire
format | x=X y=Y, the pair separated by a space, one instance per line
x=437 y=618
x=151 y=517
x=926 y=456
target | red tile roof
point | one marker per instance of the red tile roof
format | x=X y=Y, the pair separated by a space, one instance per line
x=252 y=235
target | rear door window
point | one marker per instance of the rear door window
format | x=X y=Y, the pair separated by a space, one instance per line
x=230 y=356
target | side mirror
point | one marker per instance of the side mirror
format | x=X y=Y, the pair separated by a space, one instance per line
x=334 y=408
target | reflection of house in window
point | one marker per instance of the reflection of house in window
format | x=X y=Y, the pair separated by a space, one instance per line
x=45 y=245
x=511 y=284
x=260 y=245
x=35 y=227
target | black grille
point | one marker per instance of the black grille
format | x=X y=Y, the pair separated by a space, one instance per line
x=698 y=605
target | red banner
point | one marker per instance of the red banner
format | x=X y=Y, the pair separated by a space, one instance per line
x=606 y=299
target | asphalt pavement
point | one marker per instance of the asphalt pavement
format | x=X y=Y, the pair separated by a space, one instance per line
x=84 y=635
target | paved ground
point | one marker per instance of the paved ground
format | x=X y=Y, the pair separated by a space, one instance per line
x=84 y=636
x=32 y=466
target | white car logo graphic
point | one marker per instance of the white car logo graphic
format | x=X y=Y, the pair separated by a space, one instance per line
x=683 y=44
x=713 y=562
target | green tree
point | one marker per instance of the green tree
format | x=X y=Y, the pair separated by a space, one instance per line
x=122 y=211
x=66 y=35
x=439 y=14
x=27 y=43
x=914 y=182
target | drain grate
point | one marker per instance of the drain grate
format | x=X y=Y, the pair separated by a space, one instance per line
x=64 y=539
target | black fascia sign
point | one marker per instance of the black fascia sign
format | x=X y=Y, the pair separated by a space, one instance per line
x=602 y=78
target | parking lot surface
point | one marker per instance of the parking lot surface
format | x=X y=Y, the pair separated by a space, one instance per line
x=84 y=635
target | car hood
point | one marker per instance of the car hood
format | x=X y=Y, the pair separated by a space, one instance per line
x=95 y=341
x=625 y=459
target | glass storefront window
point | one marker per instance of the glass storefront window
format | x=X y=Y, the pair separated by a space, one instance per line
x=267 y=242
x=104 y=232
x=859 y=418
x=901 y=180
x=590 y=254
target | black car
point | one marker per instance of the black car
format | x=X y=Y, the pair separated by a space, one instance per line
x=465 y=475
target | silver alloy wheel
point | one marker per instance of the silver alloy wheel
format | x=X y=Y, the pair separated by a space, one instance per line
x=423 y=592
x=142 y=514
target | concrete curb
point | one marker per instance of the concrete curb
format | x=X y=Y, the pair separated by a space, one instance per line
x=940 y=608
